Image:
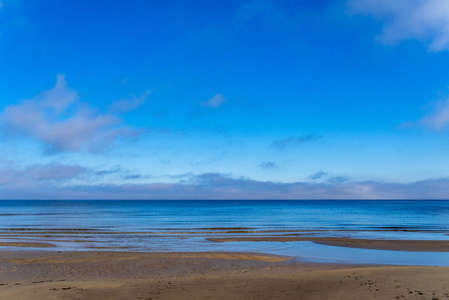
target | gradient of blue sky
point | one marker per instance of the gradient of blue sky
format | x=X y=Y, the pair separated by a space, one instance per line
x=224 y=99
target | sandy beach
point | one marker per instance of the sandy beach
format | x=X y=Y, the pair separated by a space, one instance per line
x=218 y=250
x=34 y=274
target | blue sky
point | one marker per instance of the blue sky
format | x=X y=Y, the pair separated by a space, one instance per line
x=239 y=99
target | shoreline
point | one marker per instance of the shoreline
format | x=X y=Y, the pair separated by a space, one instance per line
x=34 y=274
x=374 y=244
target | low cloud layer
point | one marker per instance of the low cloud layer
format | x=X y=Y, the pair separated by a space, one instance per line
x=37 y=176
x=295 y=141
x=61 y=123
x=423 y=20
x=214 y=102
x=31 y=184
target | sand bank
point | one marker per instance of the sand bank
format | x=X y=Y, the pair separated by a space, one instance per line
x=396 y=245
x=125 y=275
x=27 y=244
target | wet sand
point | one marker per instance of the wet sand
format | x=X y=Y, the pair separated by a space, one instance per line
x=32 y=274
x=27 y=244
x=395 y=245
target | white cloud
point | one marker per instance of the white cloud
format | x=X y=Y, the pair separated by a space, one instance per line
x=423 y=20
x=439 y=118
x=124 y=105
x=214 y=102
x=60 y=122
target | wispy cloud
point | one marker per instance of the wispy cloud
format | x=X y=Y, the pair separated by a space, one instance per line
x=109 y=171
x=328 y=178
x=124 y=105
x=61 y=123
x=11 y=15
x=337 y=179
x=268 y=165
x=439 y=117
x=214 y=102
x=275 y=15
x=436 y=119
x=253 y=8
x=423 y=20
x=295 y=141
x=211 y=160
x=115 y=172
x=318 y=175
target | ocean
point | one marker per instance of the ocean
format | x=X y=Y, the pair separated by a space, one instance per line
x=186 y=225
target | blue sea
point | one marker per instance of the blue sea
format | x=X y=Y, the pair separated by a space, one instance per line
x=154 y=226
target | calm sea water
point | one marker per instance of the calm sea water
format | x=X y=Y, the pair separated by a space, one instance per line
x=186 y=225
